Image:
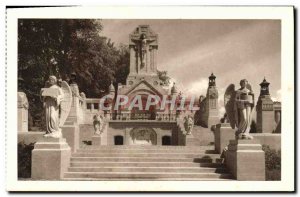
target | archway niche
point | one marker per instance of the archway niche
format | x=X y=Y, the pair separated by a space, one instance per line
x=143 y=136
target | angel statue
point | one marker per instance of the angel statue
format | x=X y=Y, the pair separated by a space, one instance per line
x=56 y=99
x=239 y=105
x=98 y=124
x=188 y=124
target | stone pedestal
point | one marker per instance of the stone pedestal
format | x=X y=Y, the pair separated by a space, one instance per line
x=190 y=140
x=223 y=134
x=246 y=160
x=71 y=134
x=50 y=159
x=96 y=140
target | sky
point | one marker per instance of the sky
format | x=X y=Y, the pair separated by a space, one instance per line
x=190 y=50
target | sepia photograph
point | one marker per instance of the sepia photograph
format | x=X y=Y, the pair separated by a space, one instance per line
x=142 y=100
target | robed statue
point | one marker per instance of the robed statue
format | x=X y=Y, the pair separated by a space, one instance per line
x=98 y=124
x=239 y=105
x=57 y=102
x=188 y=124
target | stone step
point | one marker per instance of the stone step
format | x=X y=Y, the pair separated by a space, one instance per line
x=145 y=175
x=148 y=169
x=145 y=179
x=110 y=151
x=145 y=164
x=142 y=147
x=151 y=155
x=143 y=159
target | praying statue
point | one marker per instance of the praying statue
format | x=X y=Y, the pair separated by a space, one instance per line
x=57 y=104
x=188 y=124
x=98 y=124
x=239 y=105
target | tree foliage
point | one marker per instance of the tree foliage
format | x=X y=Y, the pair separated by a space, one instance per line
x=272 y=163
x=61 y=47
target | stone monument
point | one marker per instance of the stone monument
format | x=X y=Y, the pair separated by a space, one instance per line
x=245 y=159
x=265 y=110
x=51 y=155
x=244 y=156
x=209 y=109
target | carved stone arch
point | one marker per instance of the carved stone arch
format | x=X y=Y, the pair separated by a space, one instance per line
x=143 y=136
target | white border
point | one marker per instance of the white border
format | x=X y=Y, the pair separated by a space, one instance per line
x=285 y=14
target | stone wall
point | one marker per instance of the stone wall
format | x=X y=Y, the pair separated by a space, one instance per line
x=270 y=139
x=124 y=128
x=30 y=137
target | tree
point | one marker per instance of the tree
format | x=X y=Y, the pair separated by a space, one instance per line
x=63 y=46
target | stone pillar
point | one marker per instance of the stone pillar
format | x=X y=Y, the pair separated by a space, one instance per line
x=71 y=134
x=190 y=140
x=223 y=134
x=154 y=60
x=50 y=159
x=75 y=112
x=22 y=112
x=148 y=60
x=246 y=160
x=132 y=61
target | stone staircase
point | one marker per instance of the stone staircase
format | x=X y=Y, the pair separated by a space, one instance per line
x=146 y=163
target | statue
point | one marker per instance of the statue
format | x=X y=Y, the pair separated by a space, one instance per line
x=56 y=99
x=98 y=124
x=188 y=124
x=144 y=41
x=239 y=105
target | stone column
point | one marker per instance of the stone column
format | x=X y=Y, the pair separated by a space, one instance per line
x=50 y=159
x=148 y=60
x=154 y=60
x=132 y=61
x=246 y=160
x=223 y=134
x=22 y=112
x=74 y=114
x=71 y=133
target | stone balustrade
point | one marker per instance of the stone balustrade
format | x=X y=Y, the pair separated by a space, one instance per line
x=125 y=116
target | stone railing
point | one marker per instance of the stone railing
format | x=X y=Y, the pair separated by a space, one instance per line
x=92 y=104
x=91 y=108
x=125 y=116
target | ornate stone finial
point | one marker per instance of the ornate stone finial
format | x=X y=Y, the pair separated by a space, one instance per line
x=212 y=80
x=112 y=88
x=264 y=87
x=173 y=89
